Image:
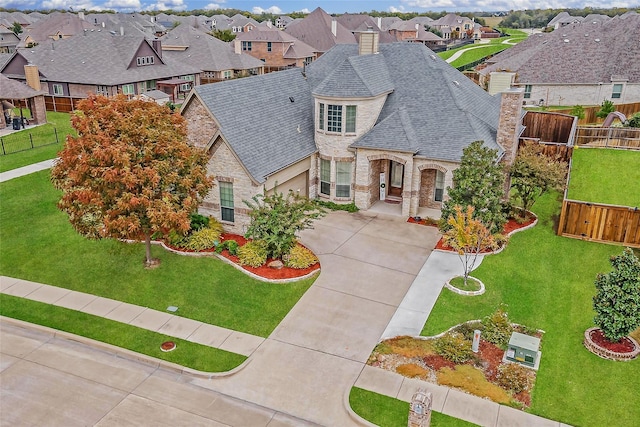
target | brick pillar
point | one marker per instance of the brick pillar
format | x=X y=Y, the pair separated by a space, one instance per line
x=38 y=109
x=509 y=127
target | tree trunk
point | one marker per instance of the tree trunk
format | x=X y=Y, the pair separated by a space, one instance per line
x=147 y=246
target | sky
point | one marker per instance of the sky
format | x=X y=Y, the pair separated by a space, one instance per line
x=329 y=6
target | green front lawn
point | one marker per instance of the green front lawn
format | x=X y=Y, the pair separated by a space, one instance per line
x=39 y=244
x=189 y=354
x=43 y=134
x=602 y=175
x=386 y=411
x=547 y=282
x=473 y=55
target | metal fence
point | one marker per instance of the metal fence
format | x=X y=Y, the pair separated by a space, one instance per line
x=22 y=141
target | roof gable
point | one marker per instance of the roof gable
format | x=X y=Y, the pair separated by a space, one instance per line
x=361 y=76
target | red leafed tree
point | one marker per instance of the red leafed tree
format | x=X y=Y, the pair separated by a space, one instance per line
x=130 y=172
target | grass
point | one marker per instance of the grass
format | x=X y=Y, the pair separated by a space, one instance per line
x=386 y=411
x=603 y=175
x=38 y=244
x=473 y=55
x=547 y=282
x=188 y=354
x=458 y=282
x=43 y=134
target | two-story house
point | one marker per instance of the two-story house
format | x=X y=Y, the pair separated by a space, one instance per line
x=102 y=63
x=365 y=123
x=275 y=48
x=453 y=26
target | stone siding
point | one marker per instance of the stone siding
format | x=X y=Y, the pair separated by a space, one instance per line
x=201 y=127
x=224 y=165
x=509 y=127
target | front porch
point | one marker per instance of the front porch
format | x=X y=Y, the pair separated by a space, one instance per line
x=395 y=209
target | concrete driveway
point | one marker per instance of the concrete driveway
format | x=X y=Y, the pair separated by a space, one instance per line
x=310 y=362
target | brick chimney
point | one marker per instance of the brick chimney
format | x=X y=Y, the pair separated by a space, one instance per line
x=509 y=125
x=32 y=76
x=368 y=42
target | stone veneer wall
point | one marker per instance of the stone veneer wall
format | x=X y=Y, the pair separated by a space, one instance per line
x=509 y=127
x=201 y=127
x=427 y=188
x=225 y=167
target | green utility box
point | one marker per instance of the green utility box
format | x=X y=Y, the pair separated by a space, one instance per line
x=523 y=349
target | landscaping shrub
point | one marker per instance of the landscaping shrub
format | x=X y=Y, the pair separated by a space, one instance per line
x=198 y=221
x=472 y=380
x=230 y=245
x=348 y=207
x=453 y=346
x=299 y=257
x=514 y=377
x=253 y=253
x=407 y=346
x=578 y=111
x=411 y=370
x=606 y=107
x=466 y=329
x=634 y=121
x=177 y=239
x=497 y=328
x=202 y=239
x=215 y=225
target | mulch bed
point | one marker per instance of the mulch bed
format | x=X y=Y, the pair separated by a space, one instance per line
x=623 y=346
x=264 y=271
x=511 y=226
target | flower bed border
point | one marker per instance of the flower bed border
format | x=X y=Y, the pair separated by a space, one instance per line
x=606 y=353
x=467 y=293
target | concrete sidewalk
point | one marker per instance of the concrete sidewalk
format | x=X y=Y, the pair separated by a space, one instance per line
x=141 y=317
x=26 y=170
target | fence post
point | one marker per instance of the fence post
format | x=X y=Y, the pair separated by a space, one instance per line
x=55 y=130
x=2 y=142
x=31 y=139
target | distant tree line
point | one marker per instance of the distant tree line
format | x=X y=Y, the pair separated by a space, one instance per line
x=539 y=18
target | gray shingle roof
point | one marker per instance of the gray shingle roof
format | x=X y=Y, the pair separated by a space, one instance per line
x=446 y=110
x=433 y=111
x=101 y=59
x=264 y=127
x=205 y=51
x=592 y=53
x=357 y=76
x=12 y=89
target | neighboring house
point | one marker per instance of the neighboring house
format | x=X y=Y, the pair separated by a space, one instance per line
x=55 y=26
x=320 y=31
x=31 y=95
x=453 y=26
x=157 y=96
x=409 y=30
x=358 y=125
x=216 y=59
x=275 y=48
x=580 y=64
x=242 y=24
x=101 y=63
x=489 y=33
x=8 y=40
x=357 y=23
x=283 y=21
x=563 y=19
x=126 y=23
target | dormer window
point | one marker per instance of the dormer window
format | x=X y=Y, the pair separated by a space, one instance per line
x=144 y=60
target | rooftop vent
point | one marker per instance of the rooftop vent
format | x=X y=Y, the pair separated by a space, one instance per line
x=597 y=40
x=457 y=83
x=566 y=40
x=432 y=57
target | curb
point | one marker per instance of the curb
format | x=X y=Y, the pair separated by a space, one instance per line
x=352 y=414
x=466 y=293
x=123 y=352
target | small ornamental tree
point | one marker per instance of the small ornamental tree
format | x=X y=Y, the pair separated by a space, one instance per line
x=276 y=218
x=606 y=108
x=478 y=182
x=130 y=172
x=468 y=237
x=533 y=173
x=617 y=299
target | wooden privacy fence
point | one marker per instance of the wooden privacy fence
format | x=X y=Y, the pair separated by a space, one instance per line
x=590 y=112
x=600 y=222
x=612 y=137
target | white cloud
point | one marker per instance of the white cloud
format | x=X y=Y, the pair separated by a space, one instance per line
x=399 y=9
x=123 y=5
x=177 y=5
x=496 y=5
x=212 y=6
x=305 y=10
x=69 y=5
x=273 y=9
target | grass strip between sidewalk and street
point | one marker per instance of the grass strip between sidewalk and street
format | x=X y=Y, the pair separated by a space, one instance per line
x=386 y=411
x=186 y=353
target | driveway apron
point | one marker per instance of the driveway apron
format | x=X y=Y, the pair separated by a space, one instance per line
x=313 y=358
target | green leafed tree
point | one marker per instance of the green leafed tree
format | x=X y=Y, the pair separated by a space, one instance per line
x=224 y=35
x=16 y=28
x=617 y=299
x=533 y=173
x=606 y=108
x=468 y=237
x=130 y=172
x=276 y=218
x=478 y=182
